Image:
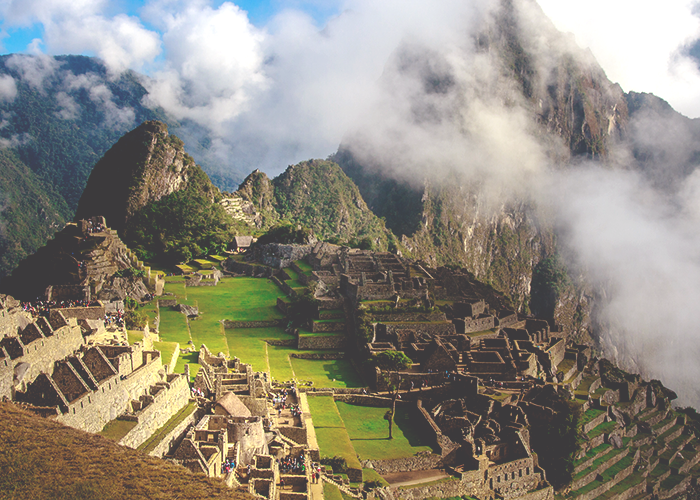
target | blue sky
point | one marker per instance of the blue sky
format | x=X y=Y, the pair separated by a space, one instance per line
x=16 y=39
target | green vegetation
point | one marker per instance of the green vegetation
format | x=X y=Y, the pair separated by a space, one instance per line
x=367 y=430
x=391 y=364
x=334 y=442
x=331 y=492
x=327 y=373
x=151 y=443
x=167 y=349
x=324 y=412
x=117 y=429
x=182 y=225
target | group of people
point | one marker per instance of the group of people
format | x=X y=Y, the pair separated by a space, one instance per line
x=197 y=392
x=228 y=466
x=43 y=307
x=292 y=465
x=95 y=228
x=116 y=319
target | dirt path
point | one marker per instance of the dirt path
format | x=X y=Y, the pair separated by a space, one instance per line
x=414 y=477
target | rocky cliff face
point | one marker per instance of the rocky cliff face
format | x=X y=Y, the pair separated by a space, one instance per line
x=144 y=166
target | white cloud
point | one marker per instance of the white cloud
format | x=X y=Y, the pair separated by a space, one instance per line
x=81 y=26
x=639 y=44
x=214 y=63
x=8 y=88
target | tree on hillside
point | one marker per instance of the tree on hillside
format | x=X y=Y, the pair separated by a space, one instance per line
x=391 y=363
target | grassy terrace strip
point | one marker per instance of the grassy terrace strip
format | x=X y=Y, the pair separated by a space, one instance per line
x=150 y=444
x=566 y=365
x=334 y=442
x=117 y=429
x=632 y=480
x=592 y=453
x=672 y=481
x=304 y=266
x=369 y=432
x=585 y=384
x=167 y=349
x=603 y=428
x=293 y=275
x=248 y=344
x=134 y=336
x=607 y=476
x=327 y=373
x=589 y=415
x=331 y=492
x=598 y=462
x=373 y=475
x=429 y=483
x=324 y=412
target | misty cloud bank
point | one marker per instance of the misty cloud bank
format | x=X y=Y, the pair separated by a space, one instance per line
x=405 y=88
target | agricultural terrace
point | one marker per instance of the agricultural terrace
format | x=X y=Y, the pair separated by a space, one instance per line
x=245 y=299
x=348 y=431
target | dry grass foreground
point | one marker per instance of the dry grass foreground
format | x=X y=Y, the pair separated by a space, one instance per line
x=42 y=459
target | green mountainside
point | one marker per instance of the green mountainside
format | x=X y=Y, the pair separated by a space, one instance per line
x=30 y=211
x=318 y=195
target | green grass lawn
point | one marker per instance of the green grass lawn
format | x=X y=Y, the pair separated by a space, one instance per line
x=326 y=373
x=167 y=349
x=173 y=327
x=334 y=442
x=117 y=429
x=324 y=412
x=280 y=366
x=304 y=266
x=248 y=344
x=331 y=492
x=239 y=299
x=369 y=432
x=293 y=275
x=134 y=336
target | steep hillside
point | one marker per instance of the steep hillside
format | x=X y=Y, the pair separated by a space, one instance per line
x=162 y=204
x=67 y=111
x=78 y=465
x=30 y=211
x=318 y=195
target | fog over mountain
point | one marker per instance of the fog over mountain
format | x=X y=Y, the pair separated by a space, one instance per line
x=421 y=92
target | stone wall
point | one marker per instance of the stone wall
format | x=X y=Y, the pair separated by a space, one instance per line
x=279 y=255
x=93 y=410
x=327 y=326
x=471 y=325
x=284 y=286
x=246 y=269
x=322 y=342
x=399 y=316
x=431 y=329
x=41 y=353
x=171 y=440
x=92 y=312
x=418 y=462
x=174 y=395
x=296 y=434
x=228 y=325
x=431 y=429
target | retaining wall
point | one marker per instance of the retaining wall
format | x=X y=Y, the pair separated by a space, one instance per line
x=322 y=342
x=168 y=401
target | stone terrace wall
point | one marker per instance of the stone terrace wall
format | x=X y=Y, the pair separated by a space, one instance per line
x=93 y=410
x=432 y=329
x=171 y=399
x=418 y=462
x=92 y=312
x=173 y=438
x=327 y=326
x=253 y=324
x=279 y=255
x=324 y=342
x=248 y=269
